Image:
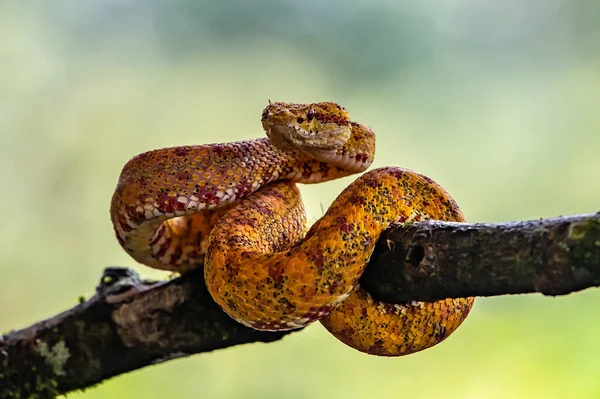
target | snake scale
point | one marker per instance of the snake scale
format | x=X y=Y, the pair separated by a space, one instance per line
x=235 y=208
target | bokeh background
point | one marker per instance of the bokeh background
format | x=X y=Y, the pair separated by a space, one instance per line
x=497 y=101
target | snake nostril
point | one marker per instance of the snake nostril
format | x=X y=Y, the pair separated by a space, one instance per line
x=415 y=255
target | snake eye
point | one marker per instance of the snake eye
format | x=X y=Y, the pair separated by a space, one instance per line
x=310 y=115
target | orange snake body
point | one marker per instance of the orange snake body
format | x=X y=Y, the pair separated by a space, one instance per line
x=236 y=209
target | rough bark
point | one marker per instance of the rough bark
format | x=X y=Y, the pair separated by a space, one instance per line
x=131 y=323
x=435 y=260
x=128 y=324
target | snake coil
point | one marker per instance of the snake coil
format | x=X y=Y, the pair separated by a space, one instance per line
x=236 y=209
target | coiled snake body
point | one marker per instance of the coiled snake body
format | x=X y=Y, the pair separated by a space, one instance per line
x=236 y=209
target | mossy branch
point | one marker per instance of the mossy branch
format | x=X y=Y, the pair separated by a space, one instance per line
x=131 y=323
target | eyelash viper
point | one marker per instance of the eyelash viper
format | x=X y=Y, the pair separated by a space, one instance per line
x=236 y=209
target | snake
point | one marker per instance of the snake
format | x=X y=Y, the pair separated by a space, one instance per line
x=235 y=209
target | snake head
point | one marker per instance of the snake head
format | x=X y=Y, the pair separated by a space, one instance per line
x=322 y=131
x=317 y=127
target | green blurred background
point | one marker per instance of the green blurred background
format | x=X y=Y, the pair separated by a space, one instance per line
x=497 y=101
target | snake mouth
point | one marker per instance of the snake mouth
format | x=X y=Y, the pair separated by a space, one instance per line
x=357 y=162
x=328 y=147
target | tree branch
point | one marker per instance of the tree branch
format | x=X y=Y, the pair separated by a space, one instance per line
x=434 y=260
x=131 y=323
